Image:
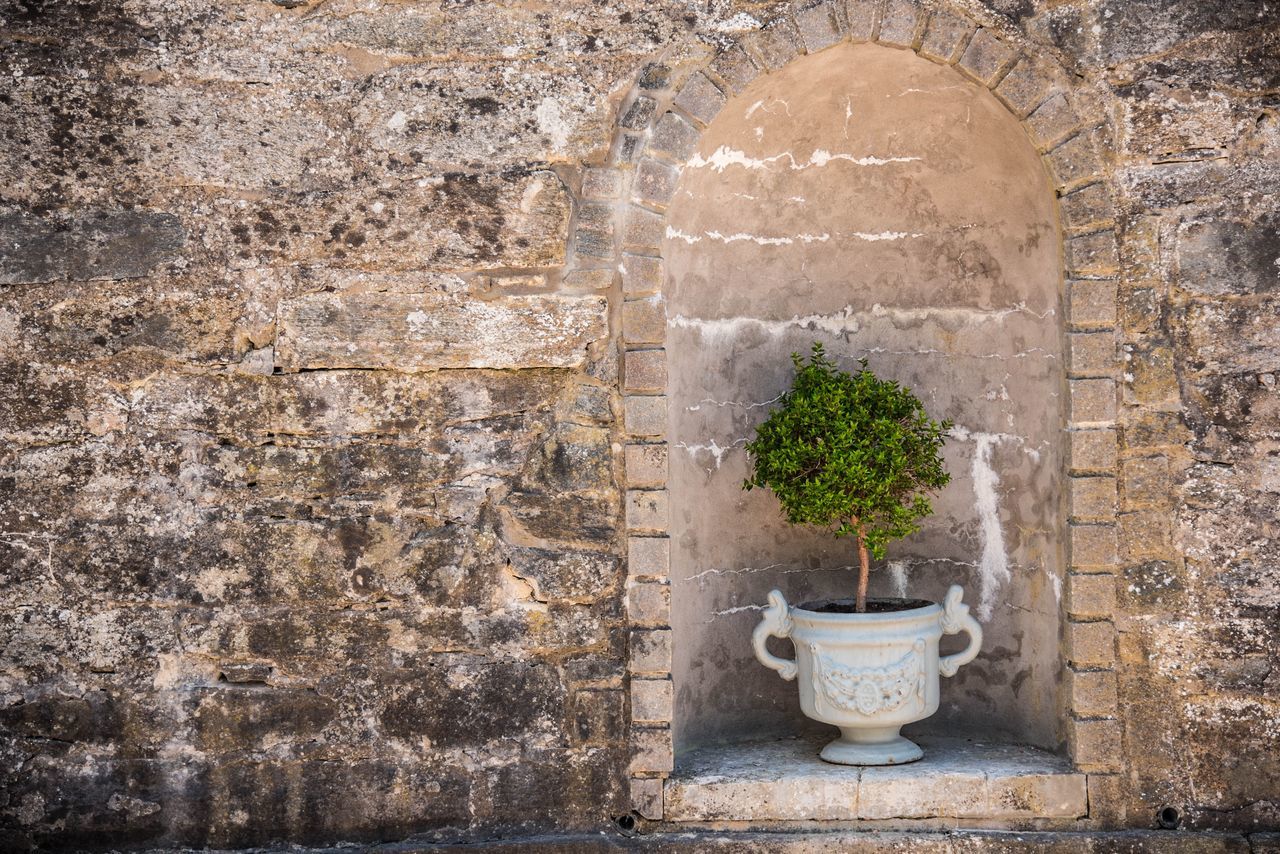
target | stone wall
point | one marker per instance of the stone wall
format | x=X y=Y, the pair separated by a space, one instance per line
x=312 y=485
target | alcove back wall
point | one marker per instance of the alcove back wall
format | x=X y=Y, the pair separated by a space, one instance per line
x=888 y=208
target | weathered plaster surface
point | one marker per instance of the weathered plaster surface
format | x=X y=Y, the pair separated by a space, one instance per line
x=892 y=210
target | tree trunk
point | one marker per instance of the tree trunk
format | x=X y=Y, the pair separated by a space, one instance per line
x=864 y=572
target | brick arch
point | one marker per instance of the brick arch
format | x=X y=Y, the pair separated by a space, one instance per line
x=619 y=226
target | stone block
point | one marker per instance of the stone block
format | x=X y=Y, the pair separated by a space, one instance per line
x=736 y=68
x=1147 y=482
x=647 y=510
x=674 y=137
x=644 y=321
x=1091 y=693
x=1052 y=121
x=646 y=797
x=985 y=56
x=1091 y=645
x=597 y=280
x=644 y=229
x=1093 y=499
x=638 y=113
x=1027 y=85
x=777 y=44
x=700 y=98
x=648 y=557
x=651 y=751
x=945 y=36
x=819 y=25
x=641 y=275
x=1146 y=535
x=1219 y=257
x=646 y=465
x=1231 y=336
x=1096 y=745
x=1091 y=354
x=899 y=22
x=1091 y=597
x=93 y=244
x=862 y=16
x=1091 y=303
x=655 y=182
x=1092 y=254
x=429 y=331
x=1088 y=206
x=1092 y=401
x=644 y=371
x=650 y=651
x=645 y=415
x=649 y=604
x=601 y=184
x=1093 y=547
x=652 y=700
x=597 y=716
x=1075 y=160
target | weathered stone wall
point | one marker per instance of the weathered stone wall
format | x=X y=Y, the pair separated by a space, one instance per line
x=311 y=490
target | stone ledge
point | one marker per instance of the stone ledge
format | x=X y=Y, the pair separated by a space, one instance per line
x=783 y=780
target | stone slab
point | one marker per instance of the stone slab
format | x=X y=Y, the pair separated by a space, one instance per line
x=431 y=331
x=784 y=780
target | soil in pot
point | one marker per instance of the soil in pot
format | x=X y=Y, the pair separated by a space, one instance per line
x=874 y=606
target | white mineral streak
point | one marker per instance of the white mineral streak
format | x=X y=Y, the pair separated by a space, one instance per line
x=715 y=450
x=551 y=121
x=747 y=570
x=724 y=157
x=737 y=610
x=993 y=565
x=846 y=320
x=898 y=570
x=739 y=404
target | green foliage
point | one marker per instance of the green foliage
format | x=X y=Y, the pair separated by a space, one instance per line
x=850 y=451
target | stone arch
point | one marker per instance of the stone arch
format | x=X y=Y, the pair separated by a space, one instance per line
x=619 y=226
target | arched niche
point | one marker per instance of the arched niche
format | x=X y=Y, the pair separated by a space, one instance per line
x=893 y=210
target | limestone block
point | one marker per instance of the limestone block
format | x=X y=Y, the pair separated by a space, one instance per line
x=1092 y=693
x=1091 y=596
x=645 y=370
x=735 y=67
x=644 y=321
x=1089 y=205
x=1093 y=499
x=1091 y=354
x=819 y=25
x=674 y=137
x=597 y=716
x=1092 y=401
x=652 y=700
x=1091 y=644
x=654 y=182
x=1217 y=257
x=862 y=17
x=1146 y=534
x=650 y=651
x=1027 y=85
x=1093 y=451
x=649 y=604
x=1052 y=121
x=651 y=751
x=700 y=98
x=899 y=22
x=596 y=280
x=1092 y=303
x=646 y=465
x=1096 y=744
x=430 y=331
x=1093 y=546
x=601 y=184
x=777 y=44
x=646 y=796
x=641 y=275
x=985 y=56
x=944 y=36
x=1092 y=254
x=648 y=557
x=1075 y=160
x=101 y=244
x=644 y=229
x=647 y=510
x=645 y=415
x=639 y=113
x=1234 y=337
x=1146 y=482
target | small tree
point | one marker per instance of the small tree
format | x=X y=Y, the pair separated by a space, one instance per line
x=851 y=451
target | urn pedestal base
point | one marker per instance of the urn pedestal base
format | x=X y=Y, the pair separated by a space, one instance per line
x=861 y=746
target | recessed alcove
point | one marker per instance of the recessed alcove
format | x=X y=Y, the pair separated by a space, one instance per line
x=891 y=209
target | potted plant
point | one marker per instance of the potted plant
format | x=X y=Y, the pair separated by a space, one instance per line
x=859 y=456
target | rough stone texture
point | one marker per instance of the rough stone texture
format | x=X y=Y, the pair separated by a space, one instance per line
x=246 y=606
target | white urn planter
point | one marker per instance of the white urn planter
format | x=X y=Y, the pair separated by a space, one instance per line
x=868 y=674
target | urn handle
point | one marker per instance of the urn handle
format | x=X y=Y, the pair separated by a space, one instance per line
x=955 y=618
x=775 y=621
